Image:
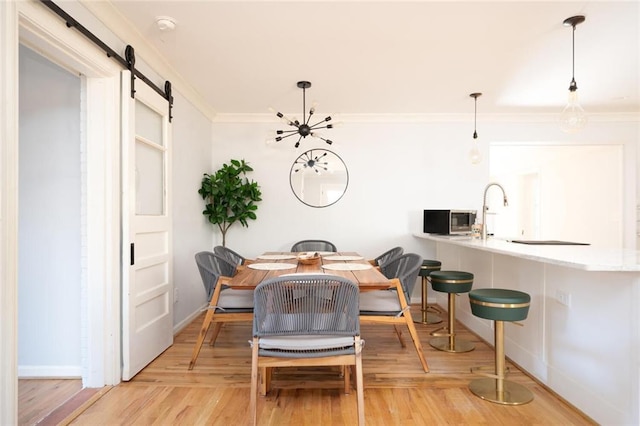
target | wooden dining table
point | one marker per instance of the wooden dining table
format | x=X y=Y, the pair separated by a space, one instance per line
x=273 y=264
x=350 y=265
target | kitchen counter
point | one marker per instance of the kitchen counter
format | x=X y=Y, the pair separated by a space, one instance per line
x=574 y=256
x=582 y=335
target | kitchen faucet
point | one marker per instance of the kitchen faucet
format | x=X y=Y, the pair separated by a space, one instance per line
x=485 y=207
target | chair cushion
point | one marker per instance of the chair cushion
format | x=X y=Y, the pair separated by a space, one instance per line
x=305 y=342
x=379 y=301
x=236 y=299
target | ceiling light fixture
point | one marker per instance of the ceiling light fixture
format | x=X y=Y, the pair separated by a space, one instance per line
x=475 y=156
x=308 y=162
x=303 y=128
x=573 y=118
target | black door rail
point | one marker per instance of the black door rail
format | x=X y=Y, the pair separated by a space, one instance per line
x=128 y=63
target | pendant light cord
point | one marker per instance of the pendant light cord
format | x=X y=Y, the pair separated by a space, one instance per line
x=304 y=104
x=573 y=86
x=475 y=115
x=573 y=53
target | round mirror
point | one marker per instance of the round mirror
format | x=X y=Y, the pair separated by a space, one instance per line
x=319 y=178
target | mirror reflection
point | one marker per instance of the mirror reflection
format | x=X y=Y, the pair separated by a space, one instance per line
x=319 y=178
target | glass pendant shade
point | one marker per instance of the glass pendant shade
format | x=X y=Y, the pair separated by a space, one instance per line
x=475 y=156
x=573 y=118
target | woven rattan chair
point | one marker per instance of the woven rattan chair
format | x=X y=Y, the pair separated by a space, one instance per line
x=392 y=306
x=225 y=304
x=387 y=256
x=313 y=245
x=230 y=255
x=296 y=324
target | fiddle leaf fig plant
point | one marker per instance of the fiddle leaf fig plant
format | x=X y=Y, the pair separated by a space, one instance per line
x=230 y=196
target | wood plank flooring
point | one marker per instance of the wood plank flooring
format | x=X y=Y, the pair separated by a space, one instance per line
x=37 y=398
x=397 y=391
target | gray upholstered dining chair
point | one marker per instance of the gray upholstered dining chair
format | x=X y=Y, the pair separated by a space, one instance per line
x=387 y=256
x=392 y=306
x=230 y=255
x=225 y=304
x=313 y=245
x=295 y=324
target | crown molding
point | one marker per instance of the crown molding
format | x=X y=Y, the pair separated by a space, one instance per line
x=436 y=118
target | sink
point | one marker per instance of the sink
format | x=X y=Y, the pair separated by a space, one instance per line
x=548 y=242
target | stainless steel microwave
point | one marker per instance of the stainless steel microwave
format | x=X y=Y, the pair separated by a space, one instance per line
x=454 y=222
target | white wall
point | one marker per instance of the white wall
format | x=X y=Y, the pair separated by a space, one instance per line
x=192 y=156
x=396 y=170
x=49 y=305
x=577 y=194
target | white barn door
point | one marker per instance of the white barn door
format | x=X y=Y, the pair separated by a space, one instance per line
x=147 y=302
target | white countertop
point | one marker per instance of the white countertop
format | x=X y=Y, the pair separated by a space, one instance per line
x=580 y=257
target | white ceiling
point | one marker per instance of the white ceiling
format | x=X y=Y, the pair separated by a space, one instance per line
x=395 y=57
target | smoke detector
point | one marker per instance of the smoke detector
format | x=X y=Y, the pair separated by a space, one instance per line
x=165 y=23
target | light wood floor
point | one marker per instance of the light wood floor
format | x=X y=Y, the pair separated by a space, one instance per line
x=397 y=391
x=39 y=397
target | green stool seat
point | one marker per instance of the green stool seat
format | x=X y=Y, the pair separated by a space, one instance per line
x=429 y=266
x=451 y=281
x=499 y=304
x=426 y=317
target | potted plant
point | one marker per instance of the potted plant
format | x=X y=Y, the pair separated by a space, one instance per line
x=229 y=196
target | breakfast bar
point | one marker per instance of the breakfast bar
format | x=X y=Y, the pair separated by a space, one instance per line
x=582 y=336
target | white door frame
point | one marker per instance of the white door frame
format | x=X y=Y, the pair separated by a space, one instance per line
x=34 y=25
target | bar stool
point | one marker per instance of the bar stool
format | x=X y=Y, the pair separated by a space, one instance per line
x=500 y=305
x=451 y=282
x=427 y=317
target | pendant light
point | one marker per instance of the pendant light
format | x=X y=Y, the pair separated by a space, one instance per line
x=303 y=128
x=475 y=156
x=573 y=119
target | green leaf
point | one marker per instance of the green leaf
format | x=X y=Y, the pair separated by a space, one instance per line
x=230 y=196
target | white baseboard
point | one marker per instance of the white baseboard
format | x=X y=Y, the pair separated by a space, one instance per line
x=185 y=322
x=52 y=371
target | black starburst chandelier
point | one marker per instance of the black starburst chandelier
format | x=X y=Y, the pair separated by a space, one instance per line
x=303 y=128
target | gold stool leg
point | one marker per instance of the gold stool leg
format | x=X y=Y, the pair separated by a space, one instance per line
x=497 y=389
x=426 y=317
x=449 y=342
